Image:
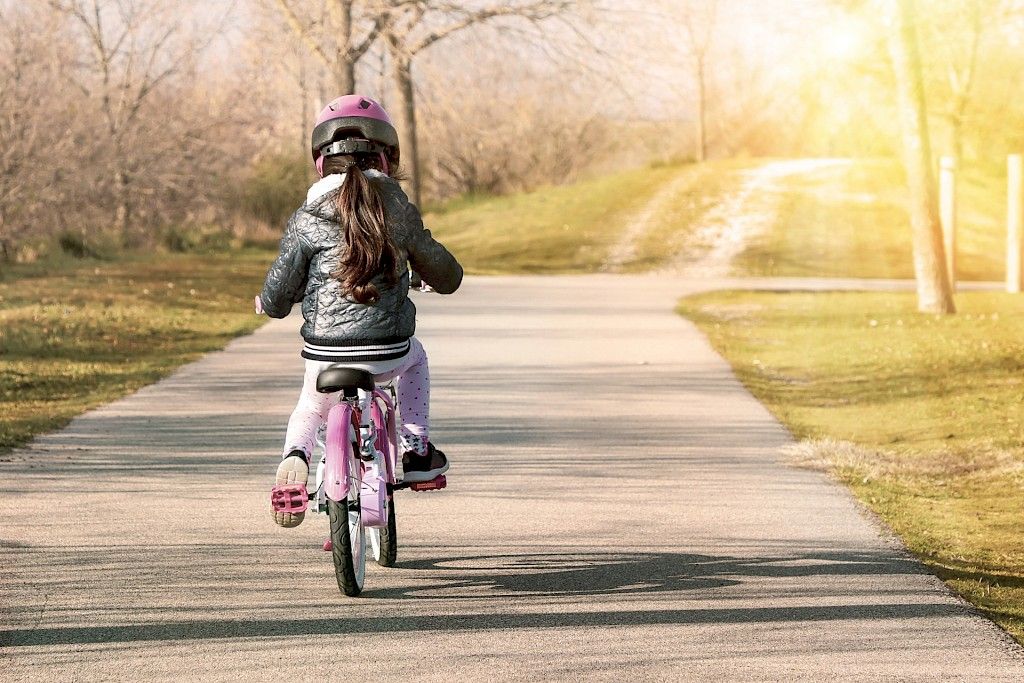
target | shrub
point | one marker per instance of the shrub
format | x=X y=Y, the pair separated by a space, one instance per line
x=76 y=245
x=273 y=188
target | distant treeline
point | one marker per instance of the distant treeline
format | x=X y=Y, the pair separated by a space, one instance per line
x=184 y=124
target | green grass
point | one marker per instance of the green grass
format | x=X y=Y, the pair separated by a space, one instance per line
x=934 y=405
x=851 y=221
x=564 y=229
x=75 y=334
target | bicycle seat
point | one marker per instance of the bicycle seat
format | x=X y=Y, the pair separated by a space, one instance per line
x=339 y=377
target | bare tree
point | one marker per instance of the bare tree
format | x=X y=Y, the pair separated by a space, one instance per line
x=412 y=26
x=339 y=34
x=699 y=19
x=30 y=64
x=132 y=50
x=538 y=133
x=956 y=31
x=934 y=291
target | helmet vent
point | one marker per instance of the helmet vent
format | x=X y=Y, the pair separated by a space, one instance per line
x=363 y=104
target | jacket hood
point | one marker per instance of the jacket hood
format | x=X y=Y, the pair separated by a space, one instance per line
x=321 y=196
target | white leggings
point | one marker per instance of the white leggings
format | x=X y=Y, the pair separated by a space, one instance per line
x=412 y=385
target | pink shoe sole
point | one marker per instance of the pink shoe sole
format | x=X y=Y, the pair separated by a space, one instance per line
x=288 y=498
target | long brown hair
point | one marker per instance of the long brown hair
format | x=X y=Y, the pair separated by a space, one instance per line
x=369 y=249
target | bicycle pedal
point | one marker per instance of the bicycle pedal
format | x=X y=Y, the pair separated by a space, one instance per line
x=290 y=498
x=435 y=484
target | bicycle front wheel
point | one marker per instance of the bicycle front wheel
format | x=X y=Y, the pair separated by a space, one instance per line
x=348 y=540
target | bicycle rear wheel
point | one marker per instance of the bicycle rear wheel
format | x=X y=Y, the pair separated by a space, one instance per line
x=348 y=540
x=384 y=542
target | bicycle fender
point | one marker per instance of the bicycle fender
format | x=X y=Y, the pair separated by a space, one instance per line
x=338 y=450
x=386 y=436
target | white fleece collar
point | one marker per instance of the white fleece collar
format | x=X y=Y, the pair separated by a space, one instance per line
x=331 y=183
x=323 y=186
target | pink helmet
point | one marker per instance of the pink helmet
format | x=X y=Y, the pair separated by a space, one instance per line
x=354 y=124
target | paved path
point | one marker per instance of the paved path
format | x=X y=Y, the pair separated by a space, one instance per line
x=617 y=511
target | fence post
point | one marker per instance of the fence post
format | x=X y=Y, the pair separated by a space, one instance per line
x=1014 y=222
x=947 y=213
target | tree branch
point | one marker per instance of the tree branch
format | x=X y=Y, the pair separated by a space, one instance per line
x=533 y=11
x=302 y=32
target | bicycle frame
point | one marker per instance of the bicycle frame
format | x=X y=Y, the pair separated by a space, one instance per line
x=367 y=422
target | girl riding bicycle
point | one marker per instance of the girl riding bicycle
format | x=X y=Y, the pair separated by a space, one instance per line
x=345 y=255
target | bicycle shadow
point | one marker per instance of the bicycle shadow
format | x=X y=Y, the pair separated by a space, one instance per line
x=589 y=573
x=533 y=581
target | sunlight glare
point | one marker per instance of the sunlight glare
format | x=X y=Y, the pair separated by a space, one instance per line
x=842 y=41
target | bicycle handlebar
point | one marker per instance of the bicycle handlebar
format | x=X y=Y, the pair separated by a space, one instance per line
x=416 y=282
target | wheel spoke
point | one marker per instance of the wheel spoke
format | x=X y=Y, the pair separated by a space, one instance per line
x=358 y=538
x=374 y=536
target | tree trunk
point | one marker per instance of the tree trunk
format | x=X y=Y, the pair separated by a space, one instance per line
x=344 y=75
x=956 y=137
x=122 y=212
x=702 y=113
x=934 y=293
x=306 y=118
x=6 y=245
x=401 y=73
x=344 y=67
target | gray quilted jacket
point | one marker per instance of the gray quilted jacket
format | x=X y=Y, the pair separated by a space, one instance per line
x=311 y=249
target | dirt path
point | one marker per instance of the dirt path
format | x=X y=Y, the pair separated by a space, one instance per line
x=743 y=214
x=625 y=249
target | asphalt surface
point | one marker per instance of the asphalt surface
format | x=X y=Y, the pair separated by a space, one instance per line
x=617 y=509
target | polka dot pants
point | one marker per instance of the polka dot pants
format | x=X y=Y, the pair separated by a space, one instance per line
x=412 y=384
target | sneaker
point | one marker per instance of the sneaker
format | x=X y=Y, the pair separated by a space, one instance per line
x=420 y=468
x=294 y=469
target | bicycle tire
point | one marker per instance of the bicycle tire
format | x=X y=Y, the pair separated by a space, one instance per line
x=345 y=561
x=389 y=538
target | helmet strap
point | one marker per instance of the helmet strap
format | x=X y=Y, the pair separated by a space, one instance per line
x=351 y=146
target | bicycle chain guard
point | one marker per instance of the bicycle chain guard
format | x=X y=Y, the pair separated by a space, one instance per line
x=373 y=497
x=291 y=498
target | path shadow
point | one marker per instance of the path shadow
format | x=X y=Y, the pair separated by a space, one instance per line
x=531 y=580
x=574 y=573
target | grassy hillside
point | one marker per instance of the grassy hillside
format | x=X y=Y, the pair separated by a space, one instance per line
x=565 y=229
x=840 y=220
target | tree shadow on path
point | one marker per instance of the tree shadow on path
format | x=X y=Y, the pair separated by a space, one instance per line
x=557 y=573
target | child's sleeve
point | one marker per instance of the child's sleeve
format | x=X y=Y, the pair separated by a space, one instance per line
x=429 y=258
x=286 y=280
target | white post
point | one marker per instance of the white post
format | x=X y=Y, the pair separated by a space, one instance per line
x=947 y=213
x=1014 y=222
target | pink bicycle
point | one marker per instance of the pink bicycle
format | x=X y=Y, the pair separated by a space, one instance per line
x=358 y=473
